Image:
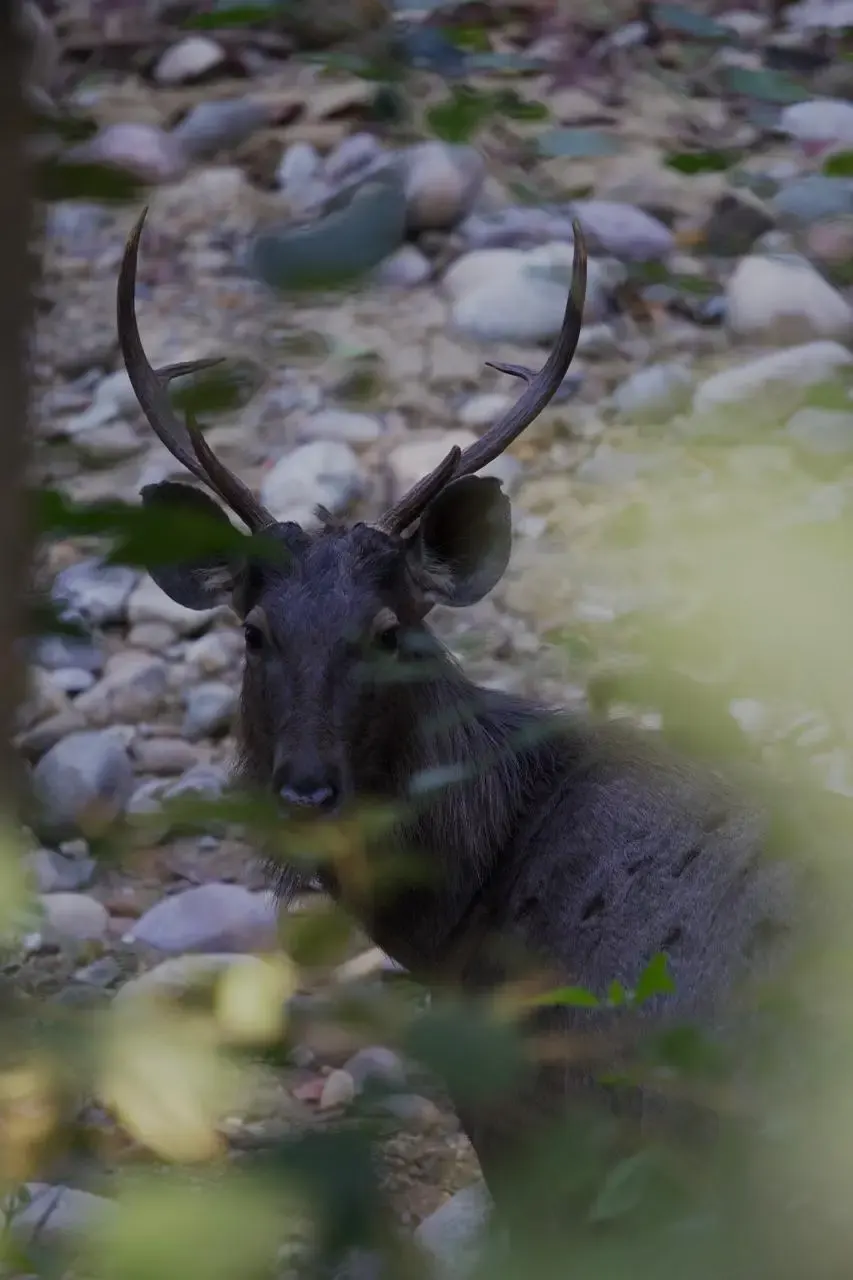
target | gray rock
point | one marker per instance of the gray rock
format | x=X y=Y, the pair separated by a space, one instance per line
x=132 y=689
x=813 y=199
x=822 y=431
x=218 y=918
x=209 y=127
x=95 y=591
x=210 y=710
x=612 y=466
x=623 y=231
x=85 y=772
x=167 y=756
x=734 y=224
x=300 y=166
x=412 y=459
x=341 y=424
x=178 y=974
x=798 y=366
x=441 y=183
x=655 y=392
x=148 y=153
x=73 y=680
x=822 y=123
x=325 y=473
x=354 y=156
x=55 y=1212
x=355 y=232
x=149 y=604
x=784 y=299
x=519 y=296
x=404 y=269
x=188 y=60
x=378 y=1063
x=59 y=652
x=454 y=1234
x=73 y=917
x=53 y=872
x=518 y=226
x=206 y=780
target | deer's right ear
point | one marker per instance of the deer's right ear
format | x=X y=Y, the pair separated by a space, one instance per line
x=463 y=545
x=200 y=584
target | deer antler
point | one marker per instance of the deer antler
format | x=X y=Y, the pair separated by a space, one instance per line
x=184 y=441
x=541 y=387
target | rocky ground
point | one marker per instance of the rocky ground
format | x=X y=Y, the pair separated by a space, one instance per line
x=711 y=392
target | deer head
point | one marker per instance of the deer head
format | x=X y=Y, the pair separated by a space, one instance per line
x=346 y=601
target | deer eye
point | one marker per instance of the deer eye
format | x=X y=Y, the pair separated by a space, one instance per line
x=388 y=639
x=254 y=638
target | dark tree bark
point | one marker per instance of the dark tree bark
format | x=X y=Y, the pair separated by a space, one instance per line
x=17 y=276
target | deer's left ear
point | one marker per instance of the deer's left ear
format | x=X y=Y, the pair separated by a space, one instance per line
x=462 y=546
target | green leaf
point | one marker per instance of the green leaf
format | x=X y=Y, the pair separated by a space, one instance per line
x=475 y=1056
x=616 y=994
x=84 y=180
x=701 y=161
x=508 y=103
x=840 y=165
x=767 y=86
x=626 y=1187
x=576 y=997
x=579 y=144
x=655 y=980
x=144 y=537
x=461 y=115
x=238 y=15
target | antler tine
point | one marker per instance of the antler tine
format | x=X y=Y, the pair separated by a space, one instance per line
x=406 y=511
x=230 y=488
x=181 y=440
x=541 y=387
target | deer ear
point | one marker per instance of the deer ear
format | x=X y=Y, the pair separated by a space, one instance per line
x=463 y=544
x=201 y=584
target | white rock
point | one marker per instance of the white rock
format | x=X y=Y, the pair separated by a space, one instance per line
x=481 y=411
x=74 y=916
x=832 y=14
x=441 y=183
x=216 y=196
x=300 y=164
x=825 y=432
x=405 y=268
x=210 y=709
x=190 y=58
x=218 y=918
x=175 y=976
x=794 y=366
x=221 y=125
x=338 y=1090
x=519 y=296
x=784 y=299
x=148 y=603
x=826 y=123
x=657 y=391
x=341 y=424
x=414 y=458
x=323 y=473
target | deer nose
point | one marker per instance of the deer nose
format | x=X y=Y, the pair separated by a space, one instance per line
x=311 y=791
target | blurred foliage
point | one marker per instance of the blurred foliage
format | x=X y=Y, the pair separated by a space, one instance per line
x=759 y=610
